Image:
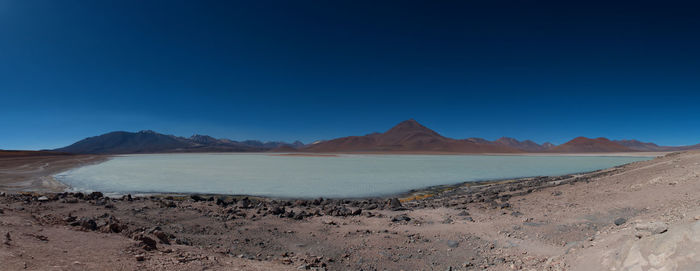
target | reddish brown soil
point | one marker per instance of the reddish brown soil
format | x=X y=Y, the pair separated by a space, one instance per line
x=584 y=144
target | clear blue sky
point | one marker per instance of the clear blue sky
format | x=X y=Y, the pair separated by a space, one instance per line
x=308 y=70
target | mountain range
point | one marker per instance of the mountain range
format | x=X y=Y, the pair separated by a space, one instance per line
x=151 y=142
x=406 y=137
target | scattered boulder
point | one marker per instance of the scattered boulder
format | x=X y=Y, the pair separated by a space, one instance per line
x=620 y=221
x=116 y=227
x=650 y=228
x=43 y=198
x=146 y=242
x=94 y=195
x=452 y=243
x=394 y=204
x=162 y=236
x=463 y=213
x=87 y=224
x=277 y=210
x=244 y=203
x=400 y=218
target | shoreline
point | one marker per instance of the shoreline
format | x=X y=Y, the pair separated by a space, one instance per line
x=35 y=173
x=48 y=183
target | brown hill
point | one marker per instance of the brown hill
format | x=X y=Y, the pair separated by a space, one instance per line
x=407 y=136
x=527 y=145
x=584 y=144
x=640 y=146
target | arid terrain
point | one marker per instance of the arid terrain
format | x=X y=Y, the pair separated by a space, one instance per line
x=640 y=216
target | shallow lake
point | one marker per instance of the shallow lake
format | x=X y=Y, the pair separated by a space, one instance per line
x=307 y=177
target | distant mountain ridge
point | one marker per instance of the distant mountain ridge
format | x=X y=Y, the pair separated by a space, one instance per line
x=584 y=144
x=406 y=137
x=148 y=141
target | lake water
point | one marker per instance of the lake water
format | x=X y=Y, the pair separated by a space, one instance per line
x=307 y=177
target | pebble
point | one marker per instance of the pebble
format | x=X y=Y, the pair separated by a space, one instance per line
x=620 y=221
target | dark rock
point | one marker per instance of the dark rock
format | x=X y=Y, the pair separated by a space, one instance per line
x=394 y=204
x=244 y=203
x=94 y=195
x=116 y=227
x=162 y=236
x=197 y=198
x=463 y=213
x=146 y=242
x=300 y=215
x=221 y=201
x=357 y=212
x=87 y=224
x=277 y=210
x=620 y=221
x=452 y=243
x=401 y=217
x=289 y=214
x=516 y=214
x=70 y=218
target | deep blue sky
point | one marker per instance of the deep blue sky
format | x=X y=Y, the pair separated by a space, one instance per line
x=308 y=70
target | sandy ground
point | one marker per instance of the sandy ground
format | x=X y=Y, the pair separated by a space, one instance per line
x=641 y=216
x=33 y=173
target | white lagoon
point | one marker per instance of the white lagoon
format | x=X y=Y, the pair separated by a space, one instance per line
x=345 y=176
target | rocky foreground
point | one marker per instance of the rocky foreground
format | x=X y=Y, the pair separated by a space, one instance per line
x=640 y=216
